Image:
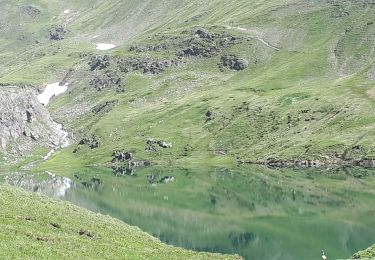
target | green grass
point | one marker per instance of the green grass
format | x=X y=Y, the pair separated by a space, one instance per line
x=26 y=221
x=309 y=100
x=369 y=253
x=322 y=67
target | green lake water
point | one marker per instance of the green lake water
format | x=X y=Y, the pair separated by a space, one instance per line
x=255 y=212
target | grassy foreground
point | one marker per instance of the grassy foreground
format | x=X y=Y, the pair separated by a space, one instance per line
x=369 y=253
x=38 y=227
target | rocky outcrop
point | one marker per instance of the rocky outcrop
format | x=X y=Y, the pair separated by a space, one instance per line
x=232 y=62
x=146 y=64
x=25 y=123
x=120 y=156
x=99 y=62
x=104 y=107
x=107 y=80
x=152 y=144
x=92 y=141
x=199 y=42
x=305 y=163
x=123 y=163
x=57 y=33
x=205 y=44
x=209 y=115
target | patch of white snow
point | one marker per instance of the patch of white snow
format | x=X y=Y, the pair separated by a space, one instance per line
x=105 y=46
x=51 y=91
x=66 y=11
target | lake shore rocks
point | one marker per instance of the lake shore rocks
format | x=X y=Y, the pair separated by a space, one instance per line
x=328 y=162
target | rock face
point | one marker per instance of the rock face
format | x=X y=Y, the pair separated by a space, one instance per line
x=24 y=122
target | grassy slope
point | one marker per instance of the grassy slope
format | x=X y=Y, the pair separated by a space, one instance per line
x=308 y=100
x=322 y=67
x=290 y=104
x=25 y=221
x=369 y=253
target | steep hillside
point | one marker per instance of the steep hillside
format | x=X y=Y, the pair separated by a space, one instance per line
x=246 y=81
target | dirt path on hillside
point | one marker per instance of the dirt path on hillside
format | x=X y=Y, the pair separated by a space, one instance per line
x=257 y=37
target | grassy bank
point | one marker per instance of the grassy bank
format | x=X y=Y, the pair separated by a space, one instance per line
x=369 y=253
x=37 y=227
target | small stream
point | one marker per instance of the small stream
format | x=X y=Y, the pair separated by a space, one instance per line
x=256 y=212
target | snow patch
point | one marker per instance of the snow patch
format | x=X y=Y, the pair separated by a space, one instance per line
x=105 y=46
x=44 y=98
x=51 y=91
x=66 y=11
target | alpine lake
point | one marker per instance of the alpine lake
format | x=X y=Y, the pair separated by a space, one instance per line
x=253 y=211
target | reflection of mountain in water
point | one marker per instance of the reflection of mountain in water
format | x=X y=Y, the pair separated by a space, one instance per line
x=51 y=185
x=256 y=212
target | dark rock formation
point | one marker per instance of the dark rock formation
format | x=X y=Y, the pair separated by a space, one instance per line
x=57 y=33
x=146 y=65
x=209 y=115
x=91 y=141
x=99 y=62
x=205 y=44
x=152 y=144
x=196 y=43
x=119 y=156
x=107 y=80
x=104 y=107
x=335 y=161
x=233 y=63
